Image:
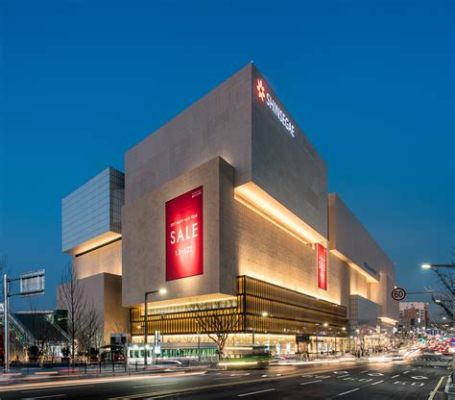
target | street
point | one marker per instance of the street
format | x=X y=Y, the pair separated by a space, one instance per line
x=348 y=381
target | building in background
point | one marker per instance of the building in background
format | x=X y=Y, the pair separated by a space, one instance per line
x=414 y=316
x=226 y=206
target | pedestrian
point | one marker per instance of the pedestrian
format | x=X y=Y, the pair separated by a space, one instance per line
x=453 y=368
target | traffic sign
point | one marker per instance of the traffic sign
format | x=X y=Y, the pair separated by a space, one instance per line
x=398 y=294
x=32 y=283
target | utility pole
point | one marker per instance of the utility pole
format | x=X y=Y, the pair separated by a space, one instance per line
x=5 y=322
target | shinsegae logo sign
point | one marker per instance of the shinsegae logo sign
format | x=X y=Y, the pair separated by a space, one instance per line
x=267 y=98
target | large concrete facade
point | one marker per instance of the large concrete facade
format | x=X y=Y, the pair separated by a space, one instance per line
x=266 y=212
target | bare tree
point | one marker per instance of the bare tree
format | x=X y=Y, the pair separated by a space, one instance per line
x=217 y=322
x=73 y=300
x=91 y=336
x=445 y=296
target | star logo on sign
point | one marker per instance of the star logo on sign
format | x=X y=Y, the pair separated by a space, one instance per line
x=261 y=89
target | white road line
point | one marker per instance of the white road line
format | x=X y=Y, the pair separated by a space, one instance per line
x=44 y=397
x=396 y=382
x=252 y=393
x=349 y=391
x=395 y=376
x=342 y=376
x=309 y=383
x=377 y=383
x=406 y=372
x=435 y=390
x=362 y=372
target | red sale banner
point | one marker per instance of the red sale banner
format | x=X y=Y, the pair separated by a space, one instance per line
x=322 y=266
x=184 y=235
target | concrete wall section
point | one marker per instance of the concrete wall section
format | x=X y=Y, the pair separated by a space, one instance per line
x=350 y=238
x=264 y=251
x=217 y=125
x=101 y=292
x=144 y=260
x=288 y=168
x=107 y=258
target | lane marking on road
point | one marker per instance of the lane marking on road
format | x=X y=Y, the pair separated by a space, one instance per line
x=349 y=391
x=340 y=372
x=309 y=383
x=419 y=377
x=376 y=374
x=342 y=376
x=362 y=372
x=365 y=380
x=435 y=390
x=322 y=376
x=349 y=379
x=44 y=397
x=396 y=382
x=257 y=392
x=395 y=376
x=377 y=383
x=264 y=376
x=406 y=372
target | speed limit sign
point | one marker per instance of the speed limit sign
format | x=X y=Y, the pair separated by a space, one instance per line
x=398 y=294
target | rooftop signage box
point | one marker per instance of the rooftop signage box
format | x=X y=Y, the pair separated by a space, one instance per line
x=184 y=235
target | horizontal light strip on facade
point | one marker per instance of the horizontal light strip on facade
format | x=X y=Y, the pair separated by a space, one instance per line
x=256 y=199
x=94 y=243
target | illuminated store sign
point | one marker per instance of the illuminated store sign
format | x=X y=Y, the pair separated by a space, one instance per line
x=184 y=235
x=322 y=266
x=266 y=97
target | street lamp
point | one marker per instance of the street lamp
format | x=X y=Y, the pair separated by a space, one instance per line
x=433 y=266
x=161 y=292
x=264 y=314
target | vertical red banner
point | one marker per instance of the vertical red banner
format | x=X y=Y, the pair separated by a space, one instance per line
x=322 y=266
x=184 y=235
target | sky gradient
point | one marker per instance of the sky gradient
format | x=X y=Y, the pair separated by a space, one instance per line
x=371 y=83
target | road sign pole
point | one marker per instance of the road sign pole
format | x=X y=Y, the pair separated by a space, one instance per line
x=5 y=323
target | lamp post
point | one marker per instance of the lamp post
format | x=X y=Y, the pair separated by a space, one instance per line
x=161 y=291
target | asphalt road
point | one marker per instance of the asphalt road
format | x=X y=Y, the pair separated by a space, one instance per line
x=367 y=381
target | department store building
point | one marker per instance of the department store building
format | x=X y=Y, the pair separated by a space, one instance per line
x=226 y=207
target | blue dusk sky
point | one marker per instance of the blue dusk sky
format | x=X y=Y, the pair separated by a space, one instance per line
x=370 y=82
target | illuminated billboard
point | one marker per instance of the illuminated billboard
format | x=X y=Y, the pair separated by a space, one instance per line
x=322 y=266
x=184 y=235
